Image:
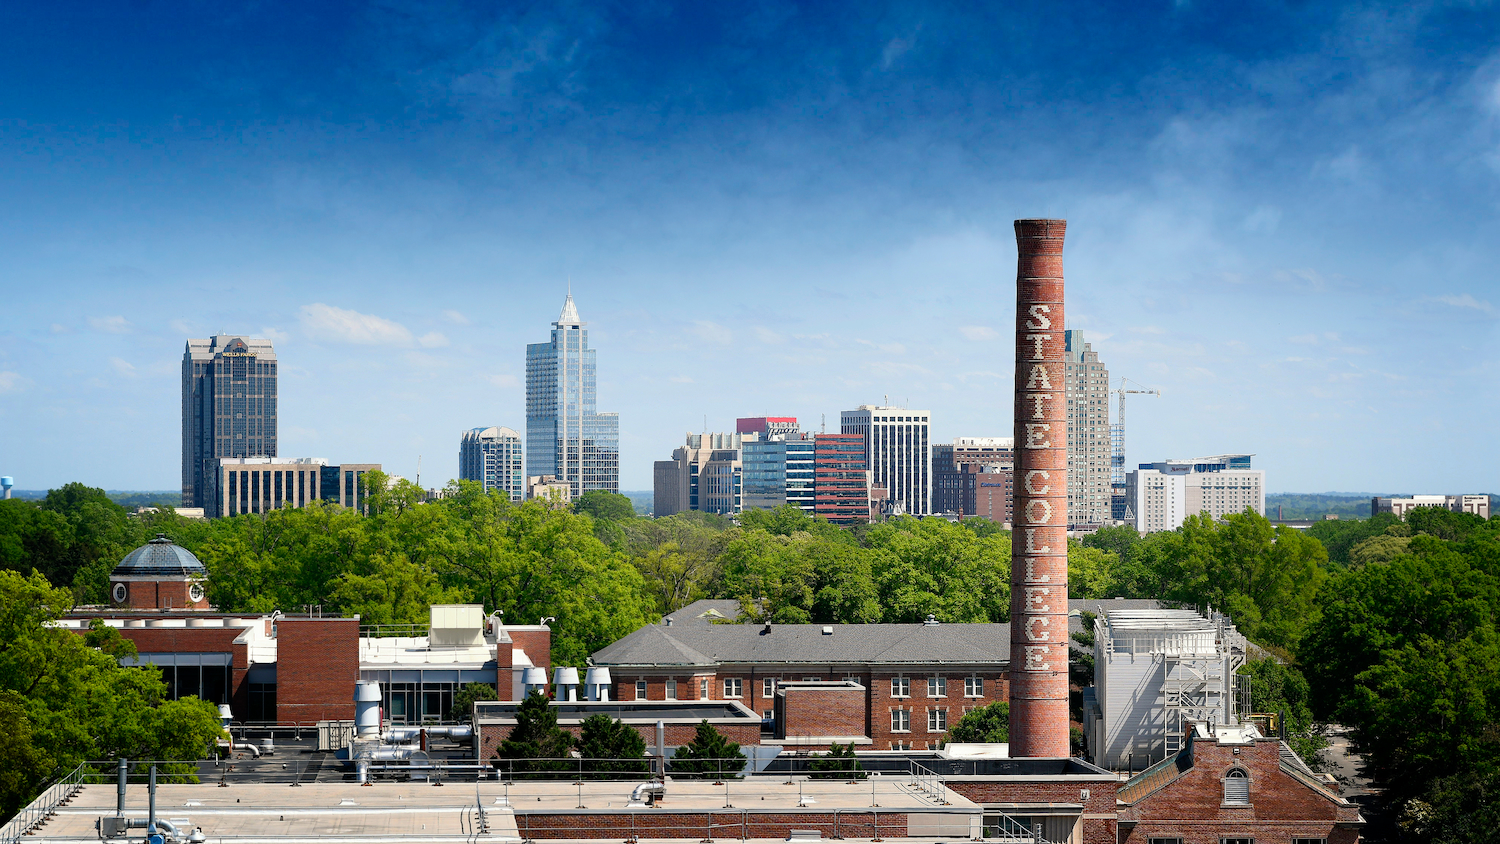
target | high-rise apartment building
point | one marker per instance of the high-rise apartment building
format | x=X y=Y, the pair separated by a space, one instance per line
x=897 y=453
x=565 y=434
x=492 y=456
x=1087 y=384
x=841 y=486
x=704 y=474
x=228 y=410
x=952 y=492
x=1163 y=494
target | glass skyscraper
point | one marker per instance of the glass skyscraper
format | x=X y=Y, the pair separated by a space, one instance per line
x=566 y=436
x=492 y=456
x=228 y=410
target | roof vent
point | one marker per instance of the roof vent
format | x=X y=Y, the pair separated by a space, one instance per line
x=767 y=630
x=931 y=621
x=827 y=631
x=667 y=621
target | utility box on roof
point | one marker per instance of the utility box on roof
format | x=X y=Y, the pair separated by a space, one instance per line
x=457 y=625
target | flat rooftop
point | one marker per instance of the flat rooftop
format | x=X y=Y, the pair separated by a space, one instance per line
x=276 y=813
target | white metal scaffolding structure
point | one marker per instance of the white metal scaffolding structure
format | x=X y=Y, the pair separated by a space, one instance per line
x=1155 y=673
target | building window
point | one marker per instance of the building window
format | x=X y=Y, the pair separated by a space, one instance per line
x=671 y=690
x=973 y=687
x=703 y=688
x=734 y=687
x=1309 y=841
x=640 y=689
x=811 y=679
x=1236 y=789
x=937 y=686
x=1236 y=841
x=901 y=745
x=900 y=720
x=768 y=687
x=1164 y=841
x=937 y=720
x=900 y=687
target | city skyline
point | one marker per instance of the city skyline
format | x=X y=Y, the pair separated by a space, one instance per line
x=790 y=214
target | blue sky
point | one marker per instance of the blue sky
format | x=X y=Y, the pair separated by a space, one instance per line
x=1285 y=216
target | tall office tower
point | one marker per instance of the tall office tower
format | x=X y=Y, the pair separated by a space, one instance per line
x=492 y=456
x=565 y=435
x=897 y=453
x=778 y=470
x=841 y=488
x=228 y=410
x=1089 y=491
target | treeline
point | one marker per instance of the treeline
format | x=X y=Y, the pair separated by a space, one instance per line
x=1382 y=625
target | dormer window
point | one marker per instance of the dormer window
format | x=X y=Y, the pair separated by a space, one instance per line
x=1236 y=788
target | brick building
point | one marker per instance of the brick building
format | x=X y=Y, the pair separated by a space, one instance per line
x=1232 y=784
x=894 y=686
x=841 y=478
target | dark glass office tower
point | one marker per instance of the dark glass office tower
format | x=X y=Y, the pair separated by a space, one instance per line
x=565 y=435
x=228 y=410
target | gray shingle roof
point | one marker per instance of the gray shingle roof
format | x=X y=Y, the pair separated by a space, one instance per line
x=709 y=644
x=707 y=611
x=160 y=558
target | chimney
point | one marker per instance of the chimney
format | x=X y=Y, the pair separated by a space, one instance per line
x=1039 y=543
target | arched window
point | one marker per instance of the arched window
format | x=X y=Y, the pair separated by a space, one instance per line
x=1236 y=787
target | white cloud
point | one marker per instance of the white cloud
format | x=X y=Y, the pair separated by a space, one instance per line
x=504 y=381
x=712 y=332
x=433 y=340
x=456 y=318
x=59 y=328
x=181 y=327
x=124 y=367
x=978 y=332
x=11 y=382
x=275 y=335
x=1465 y=300
x=1309 y=339
x=353 y=326
x=110 y=324
x=767 y=336
x=1263 y=220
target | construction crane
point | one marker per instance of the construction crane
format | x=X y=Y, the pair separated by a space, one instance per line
x=1120 y=510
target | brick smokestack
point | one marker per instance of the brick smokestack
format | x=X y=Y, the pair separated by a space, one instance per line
x=1039 y=541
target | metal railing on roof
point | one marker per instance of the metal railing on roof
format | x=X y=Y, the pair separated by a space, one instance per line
x=390 y=631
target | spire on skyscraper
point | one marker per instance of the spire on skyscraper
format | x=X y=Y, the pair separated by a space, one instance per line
x=569 y=312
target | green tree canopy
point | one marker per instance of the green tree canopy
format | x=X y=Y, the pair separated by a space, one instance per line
x=610 y=748
x=535 y=745
x=708 y=756
x=605 y=506
x=463 y=700
x=838 y=763
x=987 y=724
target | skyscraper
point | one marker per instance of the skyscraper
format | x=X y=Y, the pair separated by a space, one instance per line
x=492 y=456
x=1087 y=382
x=842 y=487
x=896 y=452
x=228 y=410
x=565 y=435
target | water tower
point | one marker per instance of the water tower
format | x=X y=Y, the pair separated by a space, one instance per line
x=6 y=483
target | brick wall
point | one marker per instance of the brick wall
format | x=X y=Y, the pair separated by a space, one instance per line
x=158 y=594
x=317 y=667
x=954 y=703
x=537 y=644
x=874 y=710
x=815 y=712
x=1281 y=806
x=696 y=826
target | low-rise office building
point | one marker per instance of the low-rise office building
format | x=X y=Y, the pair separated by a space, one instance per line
x=261 y=484
x=1478 y=505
